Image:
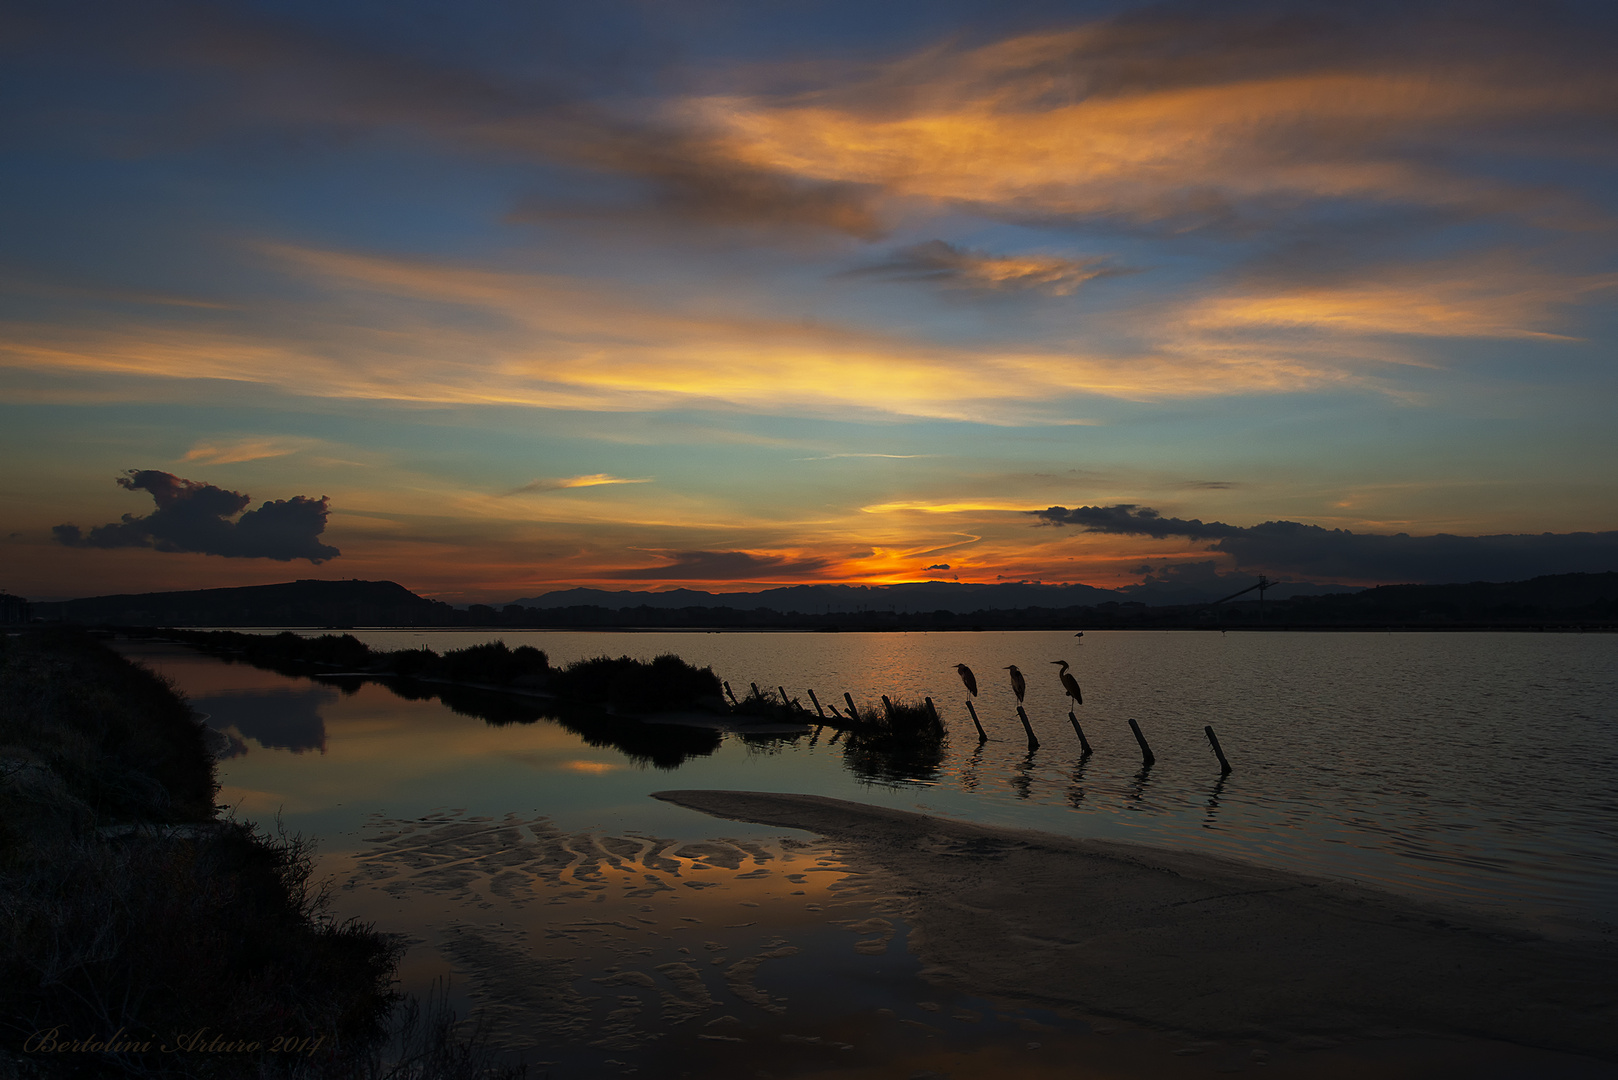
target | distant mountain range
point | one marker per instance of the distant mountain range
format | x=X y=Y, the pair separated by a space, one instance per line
x=294 y=603
x=916 y=597
x=841 y=599
x=1588 y=600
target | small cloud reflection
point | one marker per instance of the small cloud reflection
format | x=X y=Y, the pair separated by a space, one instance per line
x=591 y=766
x=276 y=719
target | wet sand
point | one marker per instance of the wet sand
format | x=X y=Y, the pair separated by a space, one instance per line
x=1215 y=949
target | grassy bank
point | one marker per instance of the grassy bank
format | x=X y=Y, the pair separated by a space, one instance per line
x=625 y=685
x=139 y=933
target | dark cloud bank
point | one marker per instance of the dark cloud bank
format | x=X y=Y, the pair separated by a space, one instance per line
x=1337 y=554
x=196 y=517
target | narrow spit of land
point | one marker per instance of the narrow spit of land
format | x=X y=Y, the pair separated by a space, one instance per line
x=1198 y=944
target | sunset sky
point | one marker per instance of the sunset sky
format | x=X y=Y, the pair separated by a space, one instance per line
x=495 y=298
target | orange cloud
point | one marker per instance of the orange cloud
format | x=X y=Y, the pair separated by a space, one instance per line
x=945 y=264
x=1114 y=120
x=240 y=450
x=563 y=344
x=1489 y=296
x=592 y=480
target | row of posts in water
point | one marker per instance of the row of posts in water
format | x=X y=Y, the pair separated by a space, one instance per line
x=1148 y=759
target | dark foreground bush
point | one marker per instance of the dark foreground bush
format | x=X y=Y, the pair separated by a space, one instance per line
x=129 y=915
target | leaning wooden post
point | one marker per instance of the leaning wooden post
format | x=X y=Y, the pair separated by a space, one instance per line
x=853 y=713
x=982 y=735
x=755 y=690
x=932 y=711
x=1033 y=743
x=818 y=710
x=1224 y=766
x=887 y=708
x=786 y=701
x=1084 y=744
x=1147 y=757
x=731 y=696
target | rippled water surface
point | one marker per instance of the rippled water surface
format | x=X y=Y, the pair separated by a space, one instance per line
x=1476 y=768
x=597 y=931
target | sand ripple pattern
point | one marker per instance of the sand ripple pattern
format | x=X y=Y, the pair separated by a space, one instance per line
x=577 y=939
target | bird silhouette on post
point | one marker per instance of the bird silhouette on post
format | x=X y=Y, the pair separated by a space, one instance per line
x=968 y=678
x=1018 y=685
x=1069 y=683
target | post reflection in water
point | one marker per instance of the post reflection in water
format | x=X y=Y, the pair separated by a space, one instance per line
x=1213 y=803
x=969 y=769
x=1137 y=790
x=1075 y=792
x=1022 y=781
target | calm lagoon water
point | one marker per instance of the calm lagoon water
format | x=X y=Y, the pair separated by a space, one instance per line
x=1473 y=769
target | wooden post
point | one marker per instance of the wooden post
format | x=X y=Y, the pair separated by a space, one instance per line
x=1146 y=755
x=932 y=710
x=731 y=696
x=982 y=735
x=887 y=708
x=853 y=713
x=1084 y=744
x=786 y=702
x=755 y=690
x=818 y=710
x=1224 y=766
x=1033 y=743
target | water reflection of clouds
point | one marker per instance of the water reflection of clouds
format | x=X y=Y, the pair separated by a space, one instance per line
x=590 y=766
x=282 y=718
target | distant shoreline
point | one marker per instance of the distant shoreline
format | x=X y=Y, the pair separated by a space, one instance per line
x=902 y=629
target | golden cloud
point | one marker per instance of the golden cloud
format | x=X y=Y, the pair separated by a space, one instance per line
x=235 y=451
x=563 y=344
x=1115 y=120
x=1490 y=296
x=592 y=480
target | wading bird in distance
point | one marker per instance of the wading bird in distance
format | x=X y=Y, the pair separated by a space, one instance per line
x=968 y=678
x=1069 y=683
x=1018 y=686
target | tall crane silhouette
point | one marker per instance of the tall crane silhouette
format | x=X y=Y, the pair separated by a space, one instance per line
x=1263 y=583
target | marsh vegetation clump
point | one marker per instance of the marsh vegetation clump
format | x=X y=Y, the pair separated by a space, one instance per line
x=903 y=740
x=493 y=663
x=666 y=684
x=771 y=705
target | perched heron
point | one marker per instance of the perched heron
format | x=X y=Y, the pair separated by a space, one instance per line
x=1018 y=685
x=968 y=678
x=1069 y=683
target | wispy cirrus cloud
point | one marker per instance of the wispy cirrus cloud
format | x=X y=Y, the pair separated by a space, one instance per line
x=1190 y=119
x=1488 y=295
x=939 y=263
x=236 y=451
x=564 y=482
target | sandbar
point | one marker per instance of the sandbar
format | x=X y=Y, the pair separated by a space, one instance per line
x=1192 y=943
